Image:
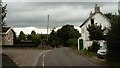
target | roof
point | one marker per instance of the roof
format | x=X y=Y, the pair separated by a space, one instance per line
x=6 y=29
x=91 y=17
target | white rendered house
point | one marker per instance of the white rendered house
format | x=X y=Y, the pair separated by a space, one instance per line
x=96 y=17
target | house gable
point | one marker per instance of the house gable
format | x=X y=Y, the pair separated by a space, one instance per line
x=96 y=17
x=92 y=15
x=7 y=36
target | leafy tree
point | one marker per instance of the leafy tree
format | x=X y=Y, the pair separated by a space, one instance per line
x=29 y=37
x=43 y=38
x=72 y=42
x=53 y=39
x=95 y=46
x=111 y=17
x=34 y=37
x=67 y=32
x=96 y=32
x=62 y=35
x=113 y=42
x=33 y=34
x=21 y=36
x=3 y=14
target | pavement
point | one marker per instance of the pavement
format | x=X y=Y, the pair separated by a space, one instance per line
x=64 y=56
x=7 y=62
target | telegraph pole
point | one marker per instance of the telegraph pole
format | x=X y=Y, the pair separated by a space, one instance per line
x=47 y=27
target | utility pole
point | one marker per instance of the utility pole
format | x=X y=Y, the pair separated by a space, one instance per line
x=47 y=27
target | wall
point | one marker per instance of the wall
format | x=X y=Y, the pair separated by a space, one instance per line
x=98 y=18
x=89 y=43
x=8 y=38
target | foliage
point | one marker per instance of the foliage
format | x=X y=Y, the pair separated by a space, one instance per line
x=113 y=42
x=62 y=36
x=4 y=12
x=95 y=46
x=67 y=32
x=72 y=42
x=53 y=39
x=29 y=37
x=21 y=36
x=96 y=32
x=34 y=37
x=88 y=53
x=111 y=17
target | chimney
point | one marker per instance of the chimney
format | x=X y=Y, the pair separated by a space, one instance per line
x=97 y=8
x=90 y=13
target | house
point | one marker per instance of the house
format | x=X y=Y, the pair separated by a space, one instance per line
x=95 y=17
x=7 y=35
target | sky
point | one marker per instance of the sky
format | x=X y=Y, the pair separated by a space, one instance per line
x=33 y=13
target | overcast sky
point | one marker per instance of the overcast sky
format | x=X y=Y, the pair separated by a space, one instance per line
x=26 y=13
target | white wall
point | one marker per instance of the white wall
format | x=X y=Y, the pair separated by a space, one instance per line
x=98 y=18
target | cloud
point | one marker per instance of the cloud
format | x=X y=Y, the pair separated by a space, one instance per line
x=60 y=0
x=27 y=30
x=25 y=14
x=29 y=15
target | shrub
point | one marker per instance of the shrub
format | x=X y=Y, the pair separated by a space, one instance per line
x=95 y=46
x=72 y=42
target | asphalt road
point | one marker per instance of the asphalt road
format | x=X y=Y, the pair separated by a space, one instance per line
x=64 y=57
x=24 y=57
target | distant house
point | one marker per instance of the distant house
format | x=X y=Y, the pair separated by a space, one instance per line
x=7 y=35
x=96 y=17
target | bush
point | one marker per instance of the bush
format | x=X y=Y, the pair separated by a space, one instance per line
x=94 y=48
x=72 y=42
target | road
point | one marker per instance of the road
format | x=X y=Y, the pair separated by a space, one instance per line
x=7 y=62
x=24 y=57
x=64 y=56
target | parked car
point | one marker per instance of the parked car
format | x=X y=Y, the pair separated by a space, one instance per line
x=102 y=51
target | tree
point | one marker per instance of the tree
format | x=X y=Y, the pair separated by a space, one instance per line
x=21 y=36
x=3 y=14
x=34 y=37
x=67 y=32
x=113 y=42
x=53 y=39
x=95 y=47
x=29 y=37
x=96 y=32
x=111 y=17
x=72 y=42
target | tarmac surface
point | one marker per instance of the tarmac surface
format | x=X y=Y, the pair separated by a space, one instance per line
x=60 y=57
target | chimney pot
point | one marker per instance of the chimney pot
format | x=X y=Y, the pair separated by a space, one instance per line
x=97 y=8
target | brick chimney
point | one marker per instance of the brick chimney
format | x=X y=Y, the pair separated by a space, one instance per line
x=97 y=8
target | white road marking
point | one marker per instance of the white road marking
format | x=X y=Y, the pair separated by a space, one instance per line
x=37 y=59
x=43 y=61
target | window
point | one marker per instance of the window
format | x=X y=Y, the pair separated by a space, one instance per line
x=92 y=21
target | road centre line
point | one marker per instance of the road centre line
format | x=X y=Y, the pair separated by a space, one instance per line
x=43 y=60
